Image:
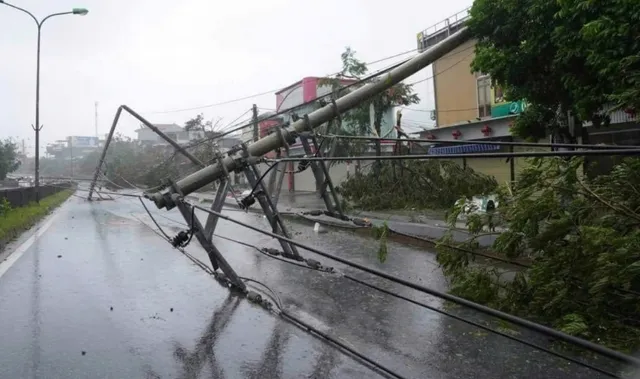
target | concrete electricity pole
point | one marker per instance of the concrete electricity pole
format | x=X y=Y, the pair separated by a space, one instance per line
x=256 y=135
x=314 y=119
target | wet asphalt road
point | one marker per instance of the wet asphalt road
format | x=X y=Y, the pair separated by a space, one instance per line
x=100 y=295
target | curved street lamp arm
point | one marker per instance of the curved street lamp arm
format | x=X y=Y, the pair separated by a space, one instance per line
x=51 y=15
x=22 y=10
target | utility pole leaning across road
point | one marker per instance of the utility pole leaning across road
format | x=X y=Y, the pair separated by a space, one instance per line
x=38 y=127
x=256 y=135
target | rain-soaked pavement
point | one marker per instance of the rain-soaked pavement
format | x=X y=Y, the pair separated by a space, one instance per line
x=100 y=295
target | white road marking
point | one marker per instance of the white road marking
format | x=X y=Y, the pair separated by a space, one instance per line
x=18 y=252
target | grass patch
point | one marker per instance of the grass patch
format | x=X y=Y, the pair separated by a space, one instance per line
x=14 y=221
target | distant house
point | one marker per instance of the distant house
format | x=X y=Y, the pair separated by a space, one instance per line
x=177 y=133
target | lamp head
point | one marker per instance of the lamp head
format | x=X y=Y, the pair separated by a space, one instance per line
x=78 y=11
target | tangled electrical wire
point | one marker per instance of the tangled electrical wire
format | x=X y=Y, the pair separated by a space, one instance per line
x=250 y=199
x=272 y=298
x=311 y=264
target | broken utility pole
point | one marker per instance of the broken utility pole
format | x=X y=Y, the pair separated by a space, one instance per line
x=146 y=123
x=287 y=136
x=245 y=158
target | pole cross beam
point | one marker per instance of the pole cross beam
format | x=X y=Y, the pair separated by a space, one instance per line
x=216 y=257
x=320 y=170
x=269 y=209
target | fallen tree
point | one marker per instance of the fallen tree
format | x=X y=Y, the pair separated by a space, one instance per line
x=582 y=238
x=429 y=184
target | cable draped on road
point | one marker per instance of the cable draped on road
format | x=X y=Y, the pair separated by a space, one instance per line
x=292 y=318
x=281 y=311
x=480 y=308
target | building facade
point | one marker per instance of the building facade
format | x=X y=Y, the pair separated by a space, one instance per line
x=177 y=133
x=299 y=99
x=468 y=107
x=75 y=147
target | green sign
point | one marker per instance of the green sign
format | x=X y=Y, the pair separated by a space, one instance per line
x=510 y=108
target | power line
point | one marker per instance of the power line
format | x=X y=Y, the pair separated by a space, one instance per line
x=215 y=104
x=369 y=77
x=498 y=143
x=286 y=315
x=279 y=303
x=267 y=92
x=154 y=220
x=483 y=327
x=523 y=154
x=440 y=110
x=102 y=192
x=418 y=110
x=446 y=69
x=381 y=72
x=232 y=123
x=358 y=82
x=454 y=299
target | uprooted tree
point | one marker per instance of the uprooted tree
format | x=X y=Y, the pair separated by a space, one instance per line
x=430 y=184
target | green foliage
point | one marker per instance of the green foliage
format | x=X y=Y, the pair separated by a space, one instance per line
x=433 y=184
x=381 y=233
x=8 y=158
x=197 y=123
x=16 y=220
x=566 y=55
x=582 y=239
x=357 y=122
x=5 y=207
x=128 y=163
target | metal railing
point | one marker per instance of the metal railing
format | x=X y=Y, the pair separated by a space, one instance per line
x=444 y=27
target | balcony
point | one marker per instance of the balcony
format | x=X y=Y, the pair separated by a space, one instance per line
x=438 y=32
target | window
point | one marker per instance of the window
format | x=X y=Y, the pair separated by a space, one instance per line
x=484 y=96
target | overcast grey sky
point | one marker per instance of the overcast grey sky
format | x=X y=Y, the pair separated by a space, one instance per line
x=160 y=55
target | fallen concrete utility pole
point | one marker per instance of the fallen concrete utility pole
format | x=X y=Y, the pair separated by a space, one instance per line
x=287 y=135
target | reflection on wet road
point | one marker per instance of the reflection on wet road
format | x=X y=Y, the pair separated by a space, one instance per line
x=101 y=295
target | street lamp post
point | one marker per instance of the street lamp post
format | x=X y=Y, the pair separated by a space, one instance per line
x=38 y=127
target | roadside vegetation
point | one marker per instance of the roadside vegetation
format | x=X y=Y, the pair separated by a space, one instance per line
x=8 y=158
x=14 y=221
x=582 y=240
x=574 y=61
x=415 y=185
x=129 y=164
